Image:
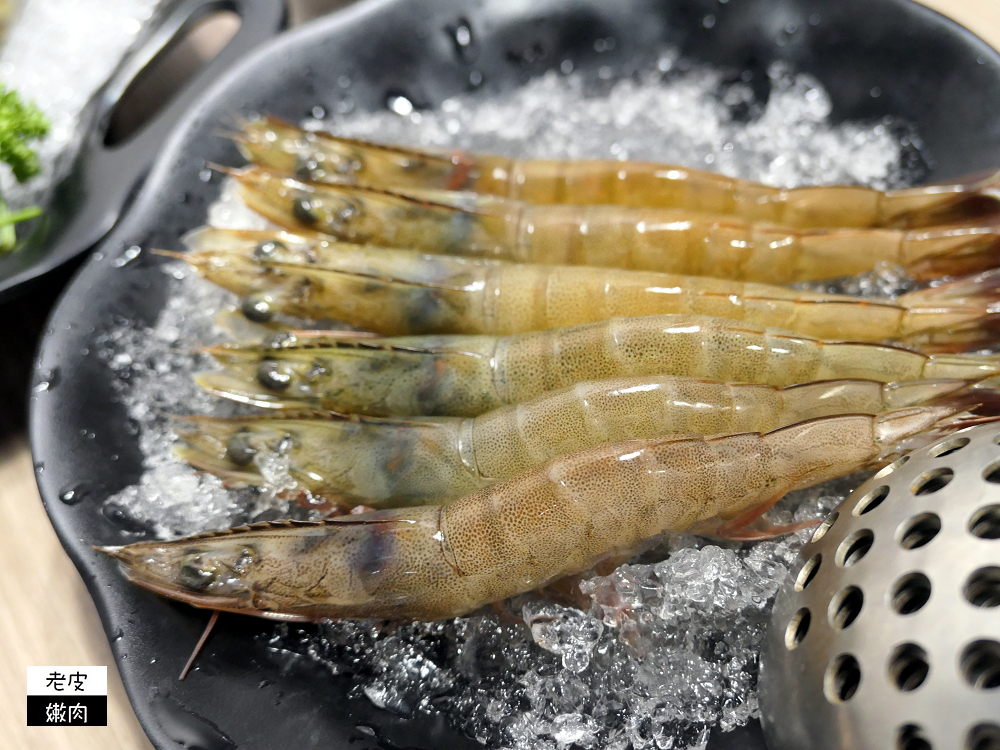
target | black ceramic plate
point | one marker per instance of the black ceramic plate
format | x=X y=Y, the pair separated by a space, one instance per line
x=929 y=71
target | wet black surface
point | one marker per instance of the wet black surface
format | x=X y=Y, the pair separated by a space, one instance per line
x=926 y=69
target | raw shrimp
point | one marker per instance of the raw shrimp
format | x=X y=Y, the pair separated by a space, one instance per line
x=469 y=375
x=644 y=239
x=430 y=563
x=320 y=156
x=398 y=293
x=353 y=460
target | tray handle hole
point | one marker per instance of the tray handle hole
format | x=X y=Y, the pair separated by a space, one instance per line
x=917 y=531
x=909 y=667
x=911 y=593
x=981 y=664
x=983 y=587
x=842 y=679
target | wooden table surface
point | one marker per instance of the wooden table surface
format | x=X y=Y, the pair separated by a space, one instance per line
x=46 y=614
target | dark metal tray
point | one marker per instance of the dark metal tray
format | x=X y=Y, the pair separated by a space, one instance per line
x=929 y=70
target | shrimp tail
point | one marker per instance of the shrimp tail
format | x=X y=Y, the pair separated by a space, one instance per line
x=981 y=289
x=959 y=315
x=956 y=419
x=895 y=432
x=981 y=398
x=979 y=332
x=975 y=197
x=953 y=249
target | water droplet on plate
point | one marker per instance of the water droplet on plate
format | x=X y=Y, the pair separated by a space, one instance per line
x=120 y=519
x=399 y=104
x=75 y=494
x=48 y=379
x=127 y=257
x=188 y=728
x=462 y=39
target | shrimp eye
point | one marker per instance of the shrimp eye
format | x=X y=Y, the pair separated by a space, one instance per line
x=257 y=307
x=348 y=211
x=303 y=211
x=239 y=448
x=307 y=168
x=197 y=572
x=349 y=166
x=268 y=249
x=275 y=376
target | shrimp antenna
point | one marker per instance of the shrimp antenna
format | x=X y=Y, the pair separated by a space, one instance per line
x=231 y=135
x=229 y=171
x=168 y=253
x=201 y=642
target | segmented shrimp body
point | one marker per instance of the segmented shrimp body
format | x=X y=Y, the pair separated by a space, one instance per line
x=469 y=375
x=406 y=293
x=646 y=239
x=429 y=563
x=386 y=462
x=320 y=156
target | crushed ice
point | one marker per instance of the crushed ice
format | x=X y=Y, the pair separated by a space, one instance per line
x=664 y=649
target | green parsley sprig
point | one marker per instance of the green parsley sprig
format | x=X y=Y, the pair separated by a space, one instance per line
x=20 y=123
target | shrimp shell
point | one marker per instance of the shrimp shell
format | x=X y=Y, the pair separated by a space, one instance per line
x=321 y=156
x=644 y=239
x=398 y=293
x=469 y=375
x=430 y=563
x=382 y=463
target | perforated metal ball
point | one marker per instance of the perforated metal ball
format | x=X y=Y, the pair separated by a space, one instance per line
x=886 y=635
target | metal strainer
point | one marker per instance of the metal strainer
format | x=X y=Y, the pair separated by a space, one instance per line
x=886 y=635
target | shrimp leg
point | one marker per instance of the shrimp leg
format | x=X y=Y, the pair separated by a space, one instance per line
x=320 y=156
x=430 y=563
x=469 y=375
x=397 y=292
x=645 y=239
x=386 y=462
